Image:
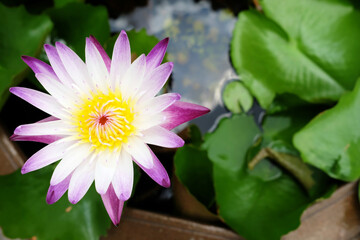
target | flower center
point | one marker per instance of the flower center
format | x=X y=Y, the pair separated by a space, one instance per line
x=105 y=121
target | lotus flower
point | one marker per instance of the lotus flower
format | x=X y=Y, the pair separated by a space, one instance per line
x=103 y=114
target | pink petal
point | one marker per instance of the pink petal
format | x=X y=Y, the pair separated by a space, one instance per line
x=121 y=58
x=39 y=66
x=40 y=100
x=156 y=55
x=45 y=156
x=181 y=112
x=156 y=80
x=157 y=172
x=55 y=192
x=162 y=137
x=124 y=177
x=113 y=205
x=81 y=181
x=102 y=52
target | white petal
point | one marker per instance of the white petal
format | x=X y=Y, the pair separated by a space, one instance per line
x=59 y=91
x=133 y=78
x=96 y=67
x=102 y=52
x=81 y=181
x=147 y=121
x=73 y=158
x=158 y=103
x=156 y=80
x=124 y=177
x=74 y=66
x=139 y=150
x=40 y=100
x=104 y=172
x=121 y=59
x=161 y=137
x=157 y=172
x=47 y=155
x=57 y=127
x=57 y=65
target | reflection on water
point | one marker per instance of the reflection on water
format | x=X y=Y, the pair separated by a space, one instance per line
x=199 y=44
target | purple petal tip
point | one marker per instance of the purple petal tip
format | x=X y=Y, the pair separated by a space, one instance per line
x=123 y=197
x=25 y=58
x=13 y=137
x=73 y=201
x=17 y=130
x=206 y=110
x=182 y=143
x=60 y=45
x=24 y=170
x=165 y=40
x=166 y=183
x=47 y=46
x=50 y=198
x=178 y=96
x=12 y=89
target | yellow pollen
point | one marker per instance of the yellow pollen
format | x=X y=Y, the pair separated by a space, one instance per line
x=104 y=120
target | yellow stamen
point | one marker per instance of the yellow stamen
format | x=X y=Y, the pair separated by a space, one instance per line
x=104 y=120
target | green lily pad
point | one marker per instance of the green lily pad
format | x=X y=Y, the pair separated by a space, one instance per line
x=359 y=192
x=237 y=97
x=24 y=212
x=279 y=130
x=75 y=21
x=61 y=3
x=286 y=102
x=33 y=7
x=20 y=34
x=331 y=140
x=265 y=201
x=195 y=136
x=295 y=47
x=282 y=126
x=194 y=170
x=192 y=165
